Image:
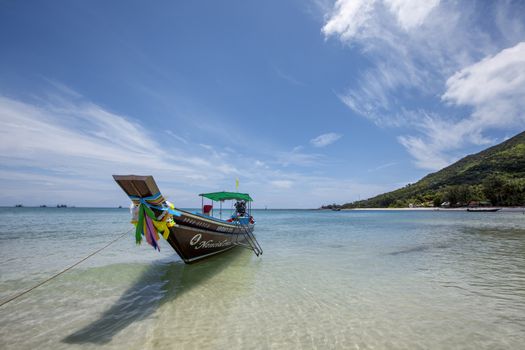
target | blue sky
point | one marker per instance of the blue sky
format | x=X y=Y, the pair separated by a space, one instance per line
x=306 y=102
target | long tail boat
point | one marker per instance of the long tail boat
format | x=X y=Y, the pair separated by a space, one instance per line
x=193 y=236
x=483 y=210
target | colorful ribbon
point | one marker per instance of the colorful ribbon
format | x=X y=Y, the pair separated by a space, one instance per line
x=148 y=225
x=156 y=201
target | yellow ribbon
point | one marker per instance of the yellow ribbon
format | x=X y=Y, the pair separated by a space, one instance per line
x=163 y=227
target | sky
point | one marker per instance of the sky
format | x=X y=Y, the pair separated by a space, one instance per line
x=306 y=102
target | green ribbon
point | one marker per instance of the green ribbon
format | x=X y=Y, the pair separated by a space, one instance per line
x=140 y=224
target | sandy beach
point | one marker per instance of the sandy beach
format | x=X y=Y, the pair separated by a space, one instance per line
x=505 y=209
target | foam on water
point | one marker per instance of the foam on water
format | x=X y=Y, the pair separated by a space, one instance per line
x=381 y=280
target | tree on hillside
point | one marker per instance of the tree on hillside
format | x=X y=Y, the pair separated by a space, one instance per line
x=503 y=191
x=493 y=188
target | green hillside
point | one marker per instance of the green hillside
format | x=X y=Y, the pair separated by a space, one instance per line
x=495 y=175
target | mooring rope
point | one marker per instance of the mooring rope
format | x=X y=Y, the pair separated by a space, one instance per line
x=63 y=271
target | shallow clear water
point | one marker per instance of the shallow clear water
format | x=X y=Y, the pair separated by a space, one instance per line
x=358 y=279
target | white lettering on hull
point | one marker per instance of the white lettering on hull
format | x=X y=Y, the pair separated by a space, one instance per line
x=197 y=243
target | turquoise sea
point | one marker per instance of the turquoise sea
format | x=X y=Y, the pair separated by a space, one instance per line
x=327 y=280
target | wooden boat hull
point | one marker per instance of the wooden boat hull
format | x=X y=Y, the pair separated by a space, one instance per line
x=196 y=237
x=483 y=210
x=193 y=237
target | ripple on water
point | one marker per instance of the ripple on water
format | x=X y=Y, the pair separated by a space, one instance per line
x=352 y=280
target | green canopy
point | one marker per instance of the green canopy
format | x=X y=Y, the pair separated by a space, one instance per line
x=222 y=196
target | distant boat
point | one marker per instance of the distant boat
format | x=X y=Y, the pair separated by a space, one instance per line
x=43 y=206
x=120 y=206
x=336 y=209
x=18 y=206
x=483 y=210
x=193 y=236
x=61 y=206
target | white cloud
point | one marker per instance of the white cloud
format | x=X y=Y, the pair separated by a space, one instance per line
x=418 y=47
x=497 y=77
x=297 y=157
x=425 y=154
x=439 y=139
x=494 y=87
x=260 y=164
x=411 y=13
x=282 y=184
x=177 y=137
x=413 y=46
x=324 y=140
x=65 y=149
x=348 y=18
x=287 y=77
x=80 y=142
x=383 y=166
x=502 y=109
x=355 y=20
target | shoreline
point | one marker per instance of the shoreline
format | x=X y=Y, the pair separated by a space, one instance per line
x=504 y=209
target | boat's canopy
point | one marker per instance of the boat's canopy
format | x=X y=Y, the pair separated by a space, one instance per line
x=224 y=196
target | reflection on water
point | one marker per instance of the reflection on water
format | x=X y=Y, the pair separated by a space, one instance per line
x=159 y=284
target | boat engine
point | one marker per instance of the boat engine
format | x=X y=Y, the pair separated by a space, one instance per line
x=240 y=208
